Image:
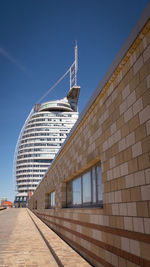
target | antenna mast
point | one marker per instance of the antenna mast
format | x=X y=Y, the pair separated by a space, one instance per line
x=74 y=68
x=76 y=63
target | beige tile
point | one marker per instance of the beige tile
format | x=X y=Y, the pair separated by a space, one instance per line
x=118 y=197
x=124 y=169
x=131 y=209
x=130 y=139
x=145 y=251
x=134 y=123
x=148 y=127
x=136 y=149
x=138 y=64
x=128 y=115
x=138 y=106
x=148 y=81
x=125 y=244
x=138 y=225
x=139 y=178
x=123 y=209
x=146 y=144
x=122 y=262
x=112 y=162
x=134 y=165
x=140 y=133
x=147 y=176
x=145 y=114
x=126 y=92
x=145 y=192
x=131 y=99
x=126 y=195
x=135 y=247
x=142 y=209
x=128 y=223
x=135 y=194
x=143 y=161
x=146 y=54
x=147 y=225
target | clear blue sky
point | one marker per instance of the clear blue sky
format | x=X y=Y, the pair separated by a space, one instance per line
x=37 y=39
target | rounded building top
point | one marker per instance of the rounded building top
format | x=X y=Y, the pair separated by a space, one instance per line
x=56 y=105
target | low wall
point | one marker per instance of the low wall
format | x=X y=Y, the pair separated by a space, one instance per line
x=2 y=208
x=113 y=132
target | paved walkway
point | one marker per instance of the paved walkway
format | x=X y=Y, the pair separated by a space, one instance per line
x=25 y=241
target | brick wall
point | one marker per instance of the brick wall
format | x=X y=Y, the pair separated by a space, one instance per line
x=114 y=129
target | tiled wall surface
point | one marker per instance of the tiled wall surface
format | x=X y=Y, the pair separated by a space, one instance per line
x=116 y=131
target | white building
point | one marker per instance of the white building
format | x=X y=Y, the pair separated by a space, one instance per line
x=41 y=137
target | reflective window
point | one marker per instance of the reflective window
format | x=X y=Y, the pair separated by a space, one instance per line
x=86 y=190
x=94 y=185
x=76 y=189
x=35 y=204
x=50 y=200
x=99 y=183
x=86 y=183
x=69 y=193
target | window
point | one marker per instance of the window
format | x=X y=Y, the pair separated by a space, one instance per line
x=35 y=205
x=76 y=191
x=86 y=185
x=85 y=190
x=50 y=200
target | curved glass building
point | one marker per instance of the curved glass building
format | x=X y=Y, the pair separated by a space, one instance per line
x=41 y=137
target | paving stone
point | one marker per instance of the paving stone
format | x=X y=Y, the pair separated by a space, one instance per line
x=67 y=256
x=22 y=243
